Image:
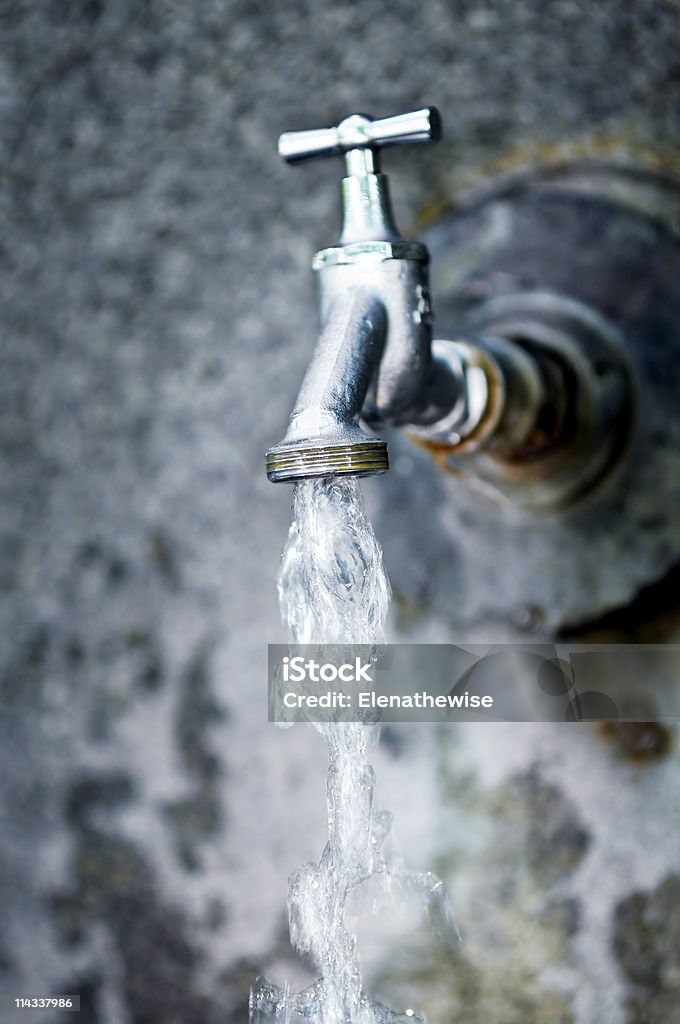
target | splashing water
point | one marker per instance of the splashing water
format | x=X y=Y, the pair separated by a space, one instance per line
x=333 y=589
x=332 y=584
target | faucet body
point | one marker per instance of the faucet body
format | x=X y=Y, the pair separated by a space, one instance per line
x=374 y=353
x=395 y=273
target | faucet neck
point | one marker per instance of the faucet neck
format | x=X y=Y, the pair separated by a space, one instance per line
x=366 y=207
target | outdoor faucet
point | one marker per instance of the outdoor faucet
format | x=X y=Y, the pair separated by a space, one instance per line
x=375 y=359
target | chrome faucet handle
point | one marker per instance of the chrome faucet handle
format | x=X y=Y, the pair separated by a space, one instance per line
x=367 y=215
x=358 y=138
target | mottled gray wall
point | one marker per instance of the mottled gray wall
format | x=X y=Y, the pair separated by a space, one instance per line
x=157 y=312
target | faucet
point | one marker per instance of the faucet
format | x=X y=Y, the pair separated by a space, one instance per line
x=490 y=397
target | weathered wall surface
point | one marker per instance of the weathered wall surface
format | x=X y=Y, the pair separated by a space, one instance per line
x=157 y=312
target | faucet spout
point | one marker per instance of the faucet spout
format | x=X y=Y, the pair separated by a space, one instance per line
x=324 y=437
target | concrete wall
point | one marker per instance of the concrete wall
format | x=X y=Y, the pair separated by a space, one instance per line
x=157 y=313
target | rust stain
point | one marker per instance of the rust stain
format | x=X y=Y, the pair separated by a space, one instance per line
x=616 y=148
x=641 y=742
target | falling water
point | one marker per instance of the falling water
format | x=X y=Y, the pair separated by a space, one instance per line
x=333 y=589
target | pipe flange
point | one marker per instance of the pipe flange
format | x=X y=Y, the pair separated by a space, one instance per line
x=585 y=420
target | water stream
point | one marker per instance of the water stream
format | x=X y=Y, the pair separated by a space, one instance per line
x=333 y=589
